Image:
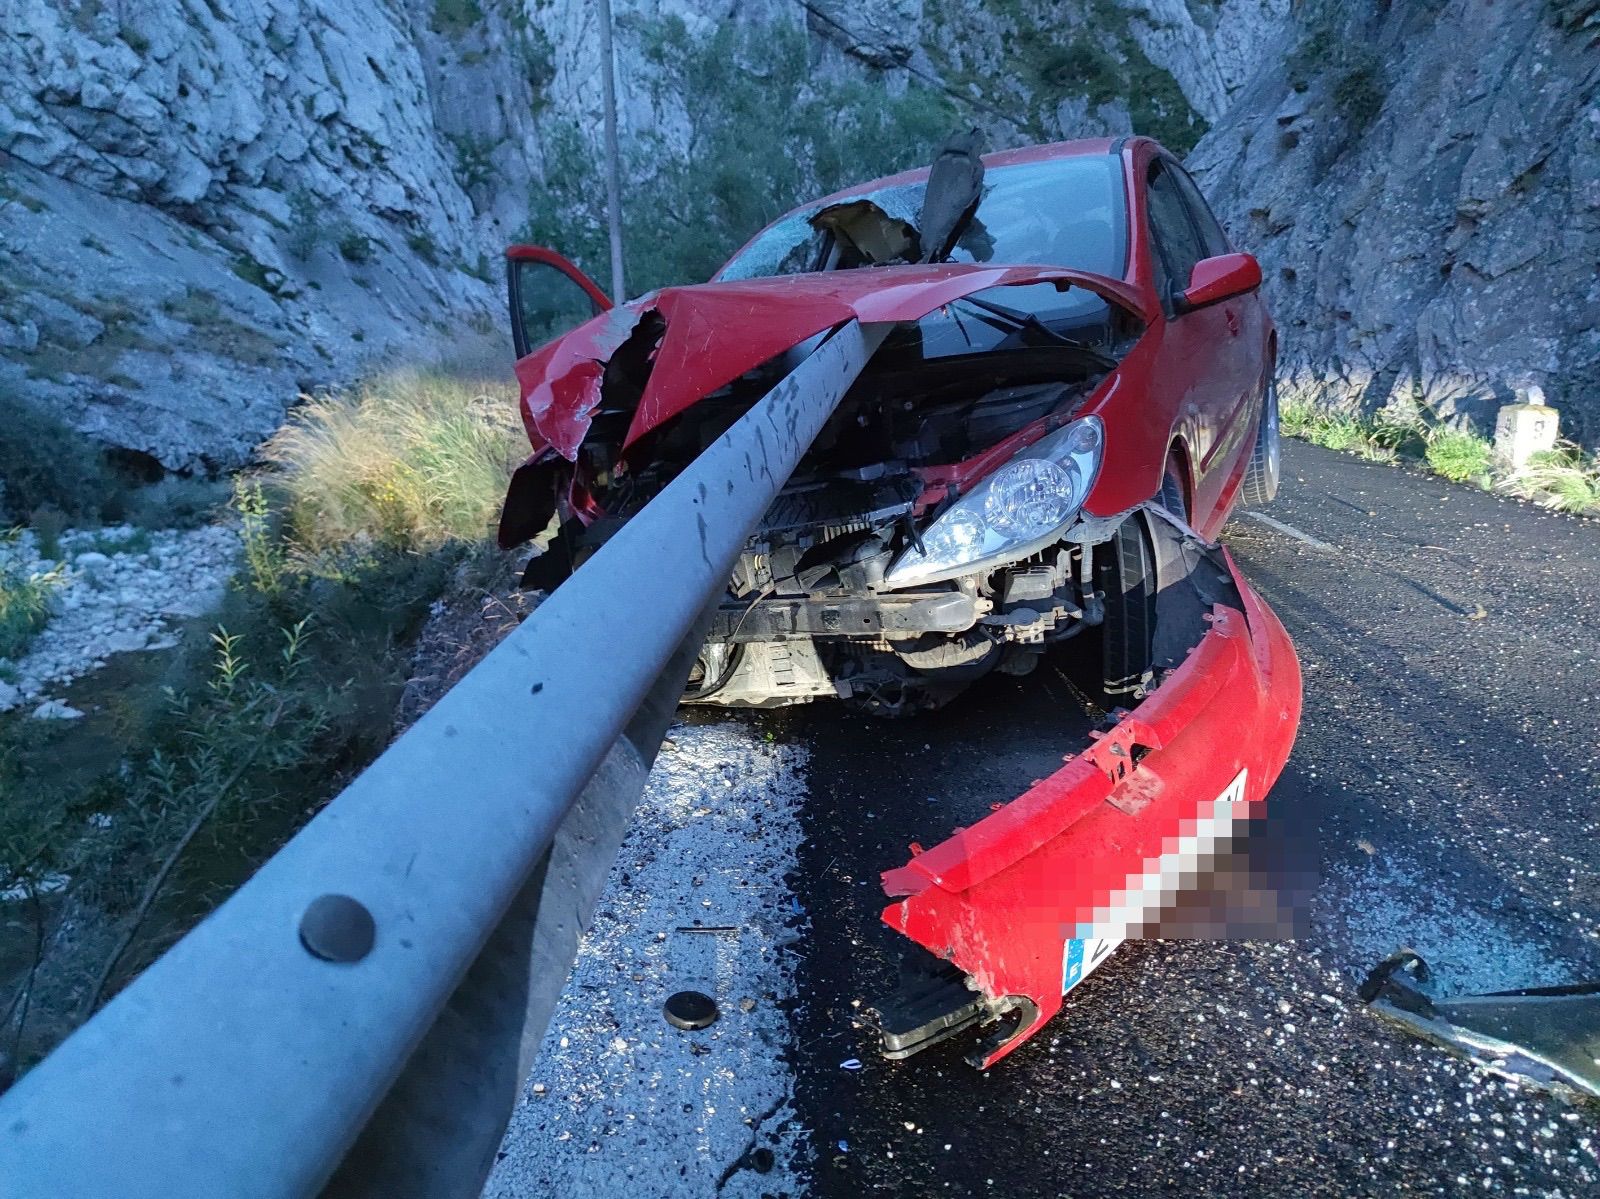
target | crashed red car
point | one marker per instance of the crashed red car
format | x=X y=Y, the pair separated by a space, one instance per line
x=1075 y=391
x=1078 y=338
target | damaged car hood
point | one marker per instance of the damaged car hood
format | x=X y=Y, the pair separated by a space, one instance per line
x=715 y=332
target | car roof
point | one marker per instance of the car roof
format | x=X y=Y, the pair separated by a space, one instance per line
x=996 y=158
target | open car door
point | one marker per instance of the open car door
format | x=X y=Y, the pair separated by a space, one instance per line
x=548 y=295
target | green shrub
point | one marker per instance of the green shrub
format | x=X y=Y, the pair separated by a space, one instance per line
x=253 y=273
x=1564 y=479
x=307 y=230
x=409 y=461
x=1334 y=430
x=44 y=463
x=355 y=247
x=1459 y=455
x=266 y=561
x=775 y=137
x=25 y=603
x=1359 y=93
x=474 y=160
x=538 y=61
x=424 y=248
x=175 y=502
x=455 y=17
x=379 y=499
x=1403 y=430
x=48 y=524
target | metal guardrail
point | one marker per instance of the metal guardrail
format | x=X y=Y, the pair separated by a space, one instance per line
x=361 y=1013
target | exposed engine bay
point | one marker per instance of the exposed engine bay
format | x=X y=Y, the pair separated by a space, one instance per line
x=826 y=599
x=933 y=532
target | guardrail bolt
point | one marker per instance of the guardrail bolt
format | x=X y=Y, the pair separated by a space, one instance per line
x=690 y=1010
x=337 y=928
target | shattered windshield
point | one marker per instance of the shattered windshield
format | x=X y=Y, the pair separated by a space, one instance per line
x=1063 y=212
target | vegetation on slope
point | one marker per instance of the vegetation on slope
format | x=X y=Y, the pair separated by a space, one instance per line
x=773 y=138
x=120 y=830
x=1564 y=479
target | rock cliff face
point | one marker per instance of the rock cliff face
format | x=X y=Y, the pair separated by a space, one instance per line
x=1422 y=185
x=210 y=204
x=207 y=206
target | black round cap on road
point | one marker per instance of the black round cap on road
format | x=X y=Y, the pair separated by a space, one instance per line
x=690 y=1010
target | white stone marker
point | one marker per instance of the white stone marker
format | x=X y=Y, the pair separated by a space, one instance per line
x=1525 y=429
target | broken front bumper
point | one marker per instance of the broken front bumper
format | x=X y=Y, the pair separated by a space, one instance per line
x=1026 y=902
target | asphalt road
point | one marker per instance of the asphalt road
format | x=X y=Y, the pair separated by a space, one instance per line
x=1450 y=741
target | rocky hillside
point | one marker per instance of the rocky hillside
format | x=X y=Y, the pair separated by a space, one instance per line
x=210 y=205
x=1422 y=184
x=207 y=206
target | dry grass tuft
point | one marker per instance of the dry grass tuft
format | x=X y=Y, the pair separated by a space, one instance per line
x=409 y=461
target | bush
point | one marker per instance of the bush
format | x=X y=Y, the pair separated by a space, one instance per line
x=1359 y=93
x=175 y=502
x=1335 y=430
x=474 y=160
x=46 y=464
x=379 y=498
x=355 y=247
x=25 y=602
x=254 y=273
x=775 y=137
x=1562 y=479
x=1565 y=479
x=452 y=18
x=410 y=461
x=424 y=248
x=1459 y=455
x=306 y=226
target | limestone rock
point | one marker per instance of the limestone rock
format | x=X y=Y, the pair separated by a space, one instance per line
x=1427 y=211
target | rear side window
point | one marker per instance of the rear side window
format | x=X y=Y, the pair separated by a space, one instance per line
x=1178 y=243
x=1216 y=241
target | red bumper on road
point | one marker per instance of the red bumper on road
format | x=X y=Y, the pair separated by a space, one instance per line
x=1028 y=900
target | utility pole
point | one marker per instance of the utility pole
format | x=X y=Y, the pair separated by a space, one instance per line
x=608 y=83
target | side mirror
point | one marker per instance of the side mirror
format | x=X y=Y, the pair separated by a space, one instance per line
x=1220 y=278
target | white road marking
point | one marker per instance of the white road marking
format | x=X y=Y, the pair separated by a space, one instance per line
x=620 y=1102
x=1291 y=531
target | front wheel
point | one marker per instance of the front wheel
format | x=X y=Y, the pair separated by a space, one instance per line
x=1261 y=475
x=1125 y=574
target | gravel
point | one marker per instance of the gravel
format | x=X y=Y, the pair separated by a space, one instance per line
x=122 y=590
x=622 y=1103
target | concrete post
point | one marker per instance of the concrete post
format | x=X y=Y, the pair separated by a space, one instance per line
x=1525 y=429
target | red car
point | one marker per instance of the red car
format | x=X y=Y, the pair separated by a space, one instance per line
x=1075 y=389
x=1076 y=340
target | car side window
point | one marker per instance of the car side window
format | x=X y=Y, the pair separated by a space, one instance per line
x=1211 y=232
x=1177 y=242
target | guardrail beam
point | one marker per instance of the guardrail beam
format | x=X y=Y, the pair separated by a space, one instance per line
x=242 y=1064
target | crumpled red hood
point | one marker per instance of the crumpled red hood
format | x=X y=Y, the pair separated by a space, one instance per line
x=715 y=332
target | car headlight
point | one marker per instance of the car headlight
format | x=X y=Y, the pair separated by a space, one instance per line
x=1020 y=508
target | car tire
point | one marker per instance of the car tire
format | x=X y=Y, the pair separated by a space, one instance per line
x=1125 y=574
x=1170 y=496
x=1261 y=474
